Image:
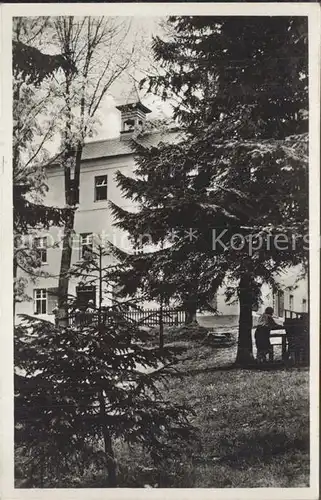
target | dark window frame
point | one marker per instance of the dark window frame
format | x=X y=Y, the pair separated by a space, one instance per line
x=40 y=244
x=90 y=291
x=40 y=303
x=85 y=246
x=101 y=188
x=278 y=303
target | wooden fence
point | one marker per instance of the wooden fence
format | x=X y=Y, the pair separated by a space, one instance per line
x=150 y=317
x=289 y=314
x=146 y=317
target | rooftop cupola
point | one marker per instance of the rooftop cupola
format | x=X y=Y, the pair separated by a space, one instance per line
x=133 y=115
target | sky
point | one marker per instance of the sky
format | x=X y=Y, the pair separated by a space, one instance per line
x=140 y=34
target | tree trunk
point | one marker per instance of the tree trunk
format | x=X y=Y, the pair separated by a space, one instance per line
x=190 y=308
x=111 y=463
x=15 y=270
x=245 y=349
x=72 y=157
x=109 y=452
x=100 y=299
x=65 y=263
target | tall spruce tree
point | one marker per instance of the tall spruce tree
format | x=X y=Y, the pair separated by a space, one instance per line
x=81 y=388
x=239 y=178
x=168 y=199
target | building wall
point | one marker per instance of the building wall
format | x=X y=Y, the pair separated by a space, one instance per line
x=91 y=217
x=95 y=217
x=297 y=289
x=290 y=286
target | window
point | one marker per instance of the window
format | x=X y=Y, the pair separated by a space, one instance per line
x=86 y=244
x=40 y=301
x=40 y=245
x=101 y=188
x=84 y=295
x=278 y=303
x=129 y=125
x=304 y=305
x=291 y=302
x=52 y=300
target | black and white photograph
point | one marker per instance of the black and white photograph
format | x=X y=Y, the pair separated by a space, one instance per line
x=165 y=314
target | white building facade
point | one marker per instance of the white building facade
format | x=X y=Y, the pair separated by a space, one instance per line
x=93 y=221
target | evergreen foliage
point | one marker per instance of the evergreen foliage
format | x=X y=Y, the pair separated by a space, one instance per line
x=80 y=388
x=240 y=92
x=33 y=65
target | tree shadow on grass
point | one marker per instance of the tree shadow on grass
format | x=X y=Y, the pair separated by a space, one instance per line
x=276 y=366
x=263 y=447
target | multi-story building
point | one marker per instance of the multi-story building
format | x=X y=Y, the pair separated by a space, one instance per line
x=93 y=219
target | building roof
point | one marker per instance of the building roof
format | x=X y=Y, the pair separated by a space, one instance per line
x=119 y=147
x=132 y=106
x=133 y=102
x=106 y=148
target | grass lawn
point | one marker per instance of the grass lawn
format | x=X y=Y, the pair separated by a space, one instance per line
x=252 y=429
x=253 y=425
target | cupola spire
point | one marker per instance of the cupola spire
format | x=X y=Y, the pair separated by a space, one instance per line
x=133 y=114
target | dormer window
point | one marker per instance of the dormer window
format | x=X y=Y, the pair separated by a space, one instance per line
x=101 y=188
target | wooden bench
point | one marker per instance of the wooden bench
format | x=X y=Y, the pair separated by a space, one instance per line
x=294 y=339
x=297 y=332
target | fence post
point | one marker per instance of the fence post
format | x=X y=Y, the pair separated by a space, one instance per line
x=161 y=325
